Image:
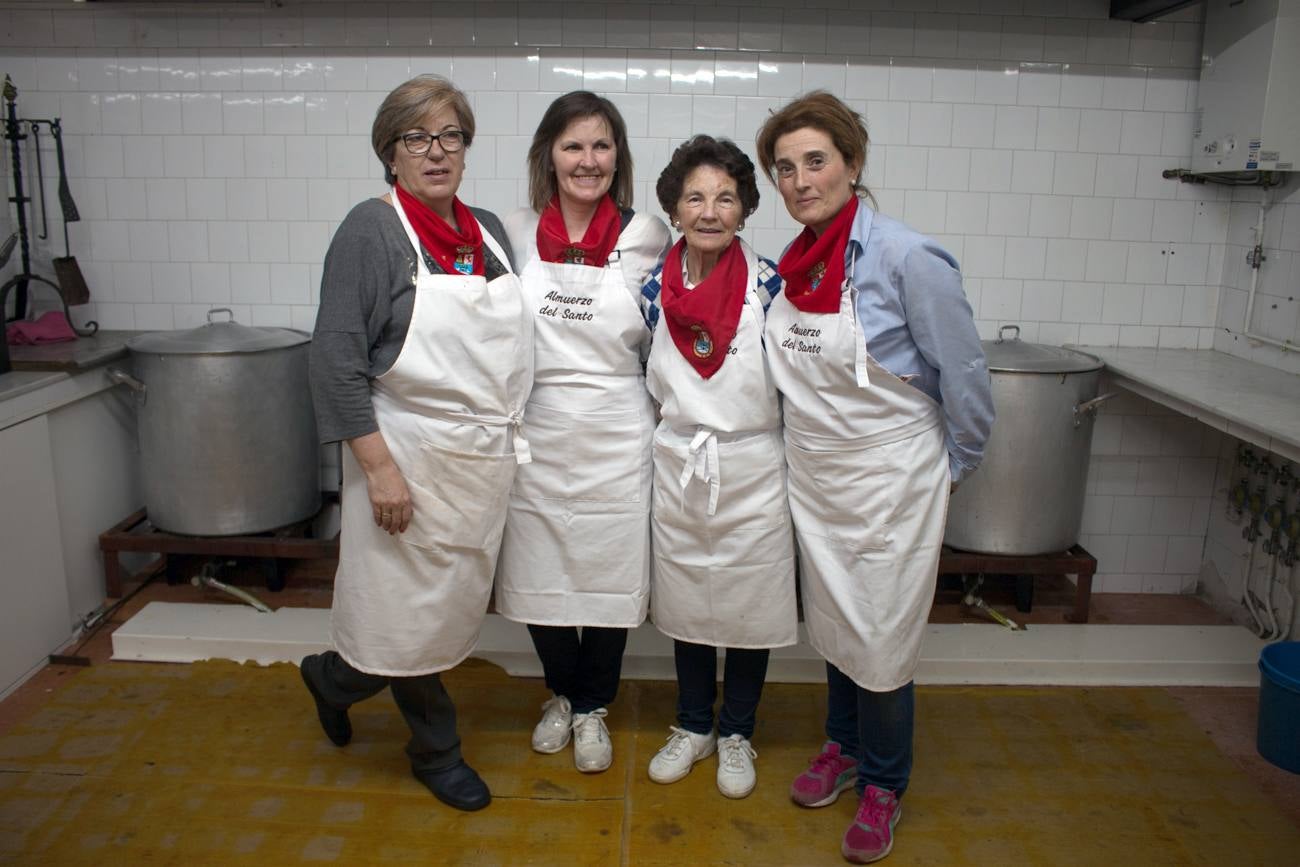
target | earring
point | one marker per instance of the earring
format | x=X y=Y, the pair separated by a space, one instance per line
x=741 y=227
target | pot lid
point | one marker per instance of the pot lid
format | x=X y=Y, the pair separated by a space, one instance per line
x=1010 y=354
x=217 y=338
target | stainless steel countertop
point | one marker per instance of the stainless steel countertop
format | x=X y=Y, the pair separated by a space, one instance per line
x=1244 y=399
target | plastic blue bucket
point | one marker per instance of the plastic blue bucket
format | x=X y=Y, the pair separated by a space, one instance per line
x=1278 y=736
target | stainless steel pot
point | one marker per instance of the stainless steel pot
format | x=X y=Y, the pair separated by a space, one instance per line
x=1027 y=496
x=227 y=432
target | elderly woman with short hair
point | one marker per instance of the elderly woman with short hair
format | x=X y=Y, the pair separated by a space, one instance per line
x=421 y=362
x=723 y=566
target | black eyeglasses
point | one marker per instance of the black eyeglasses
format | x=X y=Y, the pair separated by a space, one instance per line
x=418 y=143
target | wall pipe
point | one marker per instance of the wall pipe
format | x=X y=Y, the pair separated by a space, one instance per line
x=1255 y=262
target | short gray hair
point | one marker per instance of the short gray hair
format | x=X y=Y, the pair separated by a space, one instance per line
x=407 y=107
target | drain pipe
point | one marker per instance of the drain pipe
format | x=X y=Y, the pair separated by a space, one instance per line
x=206 y=579
x=1255 y=506
x=1256 y=257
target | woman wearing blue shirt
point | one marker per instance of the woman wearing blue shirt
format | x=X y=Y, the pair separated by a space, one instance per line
x=886 y=406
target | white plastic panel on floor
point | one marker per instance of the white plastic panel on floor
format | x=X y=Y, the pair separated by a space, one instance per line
x=975 y=653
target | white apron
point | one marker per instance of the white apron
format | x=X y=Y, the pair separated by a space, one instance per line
x=576 y=549
x=723 y=553
x=868 y=492
x=449 y=409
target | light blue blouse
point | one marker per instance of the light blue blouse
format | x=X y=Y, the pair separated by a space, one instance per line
x=918 y=324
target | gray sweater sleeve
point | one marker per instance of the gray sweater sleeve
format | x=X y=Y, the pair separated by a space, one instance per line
x=367 y=295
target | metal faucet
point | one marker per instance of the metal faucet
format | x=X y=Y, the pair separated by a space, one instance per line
x=1254 y=505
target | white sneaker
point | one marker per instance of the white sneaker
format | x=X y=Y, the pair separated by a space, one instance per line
x=551 y=734
x=592 y=751
x=675 y=758
x=735 y=766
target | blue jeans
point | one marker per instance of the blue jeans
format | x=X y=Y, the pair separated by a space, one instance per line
x=874 y=726
x=697 y=688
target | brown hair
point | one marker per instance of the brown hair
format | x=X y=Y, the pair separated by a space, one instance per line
x=821 y=111
x=406 y=107
x=563 y=111
x=705 y=150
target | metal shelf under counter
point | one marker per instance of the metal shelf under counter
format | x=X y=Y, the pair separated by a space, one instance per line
x=1246 y=400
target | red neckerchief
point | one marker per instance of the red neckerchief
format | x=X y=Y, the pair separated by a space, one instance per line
x=455 y=252
x=813 y=267
x=703 y=320
x=553 y=243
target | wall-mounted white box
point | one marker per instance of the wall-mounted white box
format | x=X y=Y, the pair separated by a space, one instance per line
x=1247 y=117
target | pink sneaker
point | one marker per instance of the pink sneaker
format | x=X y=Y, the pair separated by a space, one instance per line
x=828 y=774
x=871 y=835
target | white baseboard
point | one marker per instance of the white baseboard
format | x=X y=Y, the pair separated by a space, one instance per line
x=976 y=653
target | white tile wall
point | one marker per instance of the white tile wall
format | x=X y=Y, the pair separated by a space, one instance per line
x=213 y=152
x=1150 y=486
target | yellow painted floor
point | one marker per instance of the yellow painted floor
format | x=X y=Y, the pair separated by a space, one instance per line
x=215 y=763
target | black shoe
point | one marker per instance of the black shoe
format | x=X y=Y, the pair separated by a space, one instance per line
x=335 y=722
x=457 y=786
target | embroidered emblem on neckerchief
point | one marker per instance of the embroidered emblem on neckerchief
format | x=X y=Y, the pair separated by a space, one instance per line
x=703 y=344
x=464 y=260
x=816 y=274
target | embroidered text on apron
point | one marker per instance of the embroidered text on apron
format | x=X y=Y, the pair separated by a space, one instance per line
x=723 y=553
x=868 y=479
x=576 y=549
x=450 y=410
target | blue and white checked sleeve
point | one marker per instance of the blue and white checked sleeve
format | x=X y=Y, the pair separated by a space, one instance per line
x=770 y=283
x=650 y=304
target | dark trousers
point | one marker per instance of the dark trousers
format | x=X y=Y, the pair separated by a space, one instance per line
x=874 y=726
x=423 y=701
x=743 y=675
x=583 y=667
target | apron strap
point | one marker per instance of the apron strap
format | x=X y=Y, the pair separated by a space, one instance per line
x=859 y=338
x=523 y=452
x=421 y=267
x=702 y=463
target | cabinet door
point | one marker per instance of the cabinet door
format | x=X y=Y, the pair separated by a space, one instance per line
x=34 y=619
x=95 y=478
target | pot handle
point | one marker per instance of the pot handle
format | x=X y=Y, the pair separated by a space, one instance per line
x=1005 y=328
x=230 y=314
x=123 y=378
x=1090 y=406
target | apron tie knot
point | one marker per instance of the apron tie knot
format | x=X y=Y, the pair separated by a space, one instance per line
x=523 y=452
x=702 y=463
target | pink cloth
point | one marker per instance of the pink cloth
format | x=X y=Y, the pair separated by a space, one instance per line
x=51 y=327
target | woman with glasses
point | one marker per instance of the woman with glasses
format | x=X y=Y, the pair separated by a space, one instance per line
x=421 y=362
x=723 y=551
x=575 y=560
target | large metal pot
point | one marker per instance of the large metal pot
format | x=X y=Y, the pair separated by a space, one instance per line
x=1027 y=497
x=227 y=432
